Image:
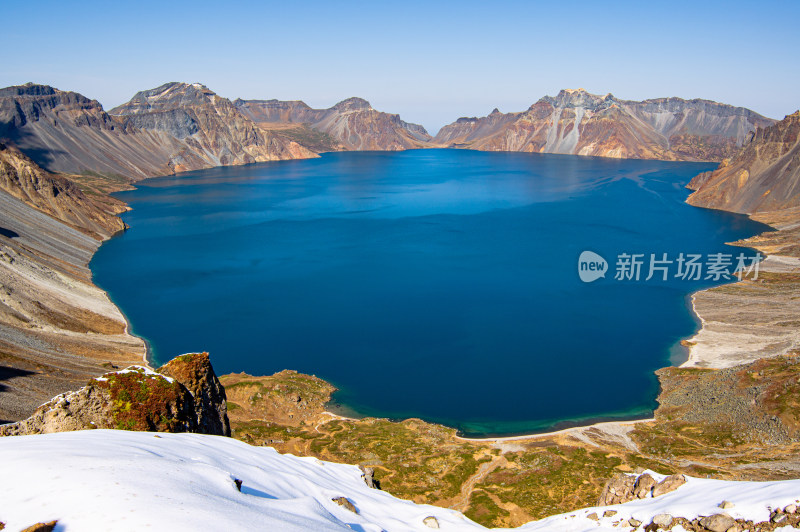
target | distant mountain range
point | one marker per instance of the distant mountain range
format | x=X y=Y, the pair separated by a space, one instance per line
x=577 y=122
x=180 y=126
x=351 y=124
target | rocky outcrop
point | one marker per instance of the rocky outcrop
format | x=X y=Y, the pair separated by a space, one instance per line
x=624 y=488
x=176 y=127
x=287 y=397
x=764 y=176
x=351 y=124
x=186 y=397
x=580 y=123
x=194 y=371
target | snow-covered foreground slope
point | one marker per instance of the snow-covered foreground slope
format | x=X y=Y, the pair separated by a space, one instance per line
x=115 y=480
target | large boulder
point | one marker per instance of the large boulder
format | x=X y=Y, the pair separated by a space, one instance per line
x=186 y=397
x=618 y=490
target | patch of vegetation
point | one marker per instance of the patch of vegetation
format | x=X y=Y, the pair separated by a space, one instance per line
x=550 y=480
x=143 y=402
x=482 y=509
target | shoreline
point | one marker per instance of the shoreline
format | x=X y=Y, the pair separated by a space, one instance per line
x=600 y=425
x=751 y=319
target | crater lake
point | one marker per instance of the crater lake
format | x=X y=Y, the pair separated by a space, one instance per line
x=439 y=284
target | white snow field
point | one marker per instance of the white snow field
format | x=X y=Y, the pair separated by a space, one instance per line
x=108 y=480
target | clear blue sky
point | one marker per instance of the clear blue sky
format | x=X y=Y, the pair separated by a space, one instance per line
x=429 y=61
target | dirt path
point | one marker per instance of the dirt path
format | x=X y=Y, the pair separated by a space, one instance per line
x=461 y=501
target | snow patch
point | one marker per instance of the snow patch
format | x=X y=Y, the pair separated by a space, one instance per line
x=118 y=480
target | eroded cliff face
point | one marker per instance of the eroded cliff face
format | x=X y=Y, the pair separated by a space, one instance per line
x=56 y=328
x=184 y=128
x=762 y=177
x=352 y=124
x=577 y=122
x=57 y=196
x=211 y=128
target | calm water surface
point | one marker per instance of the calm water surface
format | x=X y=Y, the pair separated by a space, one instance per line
x=439 y=284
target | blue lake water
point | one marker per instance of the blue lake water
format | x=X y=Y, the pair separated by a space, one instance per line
x=440 y=284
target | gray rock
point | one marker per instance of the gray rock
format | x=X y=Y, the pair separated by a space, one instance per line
x=670 y=483
x=779 y=518
x=431 y=522
x=344 y=502
x=662 y=520
x=368 y=474
x=644 y=486
x=618 y=489
x=718 y=522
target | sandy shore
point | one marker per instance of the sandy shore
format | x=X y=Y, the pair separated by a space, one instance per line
x=752 y=319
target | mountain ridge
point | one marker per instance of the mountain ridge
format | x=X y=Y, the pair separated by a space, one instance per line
x=581 y=123
x=352 y=123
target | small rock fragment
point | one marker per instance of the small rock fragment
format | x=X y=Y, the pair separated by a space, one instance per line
x=792 y=508
x=634 y=522
x=41 y=527
x=609 y=513
x=344 y=502
x=431 y=522
x=238 y=484
x=593 y=516
x=726 y=505
x=779 y=518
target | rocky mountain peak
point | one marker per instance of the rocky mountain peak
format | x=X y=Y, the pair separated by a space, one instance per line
x=579 y=98
x=167 y=96
x=29 y=89
x=353 y=104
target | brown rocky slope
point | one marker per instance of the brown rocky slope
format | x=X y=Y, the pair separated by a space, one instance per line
x=577 y=122
x=351 y=124
x=177 y=127
x=56 y=328
x=764 y=176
